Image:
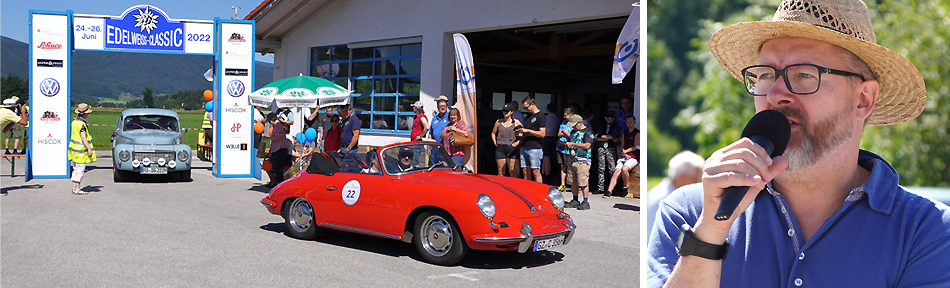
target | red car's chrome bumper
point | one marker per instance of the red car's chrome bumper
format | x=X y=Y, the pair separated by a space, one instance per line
x=271 y=205
x=527 y=237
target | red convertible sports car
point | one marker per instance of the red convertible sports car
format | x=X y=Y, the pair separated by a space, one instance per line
x=411 y=192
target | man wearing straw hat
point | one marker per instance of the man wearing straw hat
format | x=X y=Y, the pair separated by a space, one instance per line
x=80 y=147
x=825 y=213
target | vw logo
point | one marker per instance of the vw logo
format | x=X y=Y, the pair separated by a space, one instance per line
x=236 y=88
x=49 y=87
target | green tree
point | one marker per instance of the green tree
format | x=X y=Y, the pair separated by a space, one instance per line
x=147 y=98
x=14 y=86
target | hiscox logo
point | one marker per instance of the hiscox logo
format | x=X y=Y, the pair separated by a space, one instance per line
x=49 y=45
x=49 y=140
x=49 y=87
x=236 y=88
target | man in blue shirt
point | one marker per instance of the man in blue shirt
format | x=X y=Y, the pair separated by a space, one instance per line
x=828 y=214
x=440 y=119
x=350 y=136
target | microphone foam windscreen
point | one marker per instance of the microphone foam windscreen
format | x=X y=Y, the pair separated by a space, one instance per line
x=773 y=125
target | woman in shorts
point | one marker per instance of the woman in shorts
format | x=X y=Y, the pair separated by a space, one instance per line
x=506 y=138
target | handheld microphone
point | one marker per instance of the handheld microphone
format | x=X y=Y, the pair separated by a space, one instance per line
x=769 y=129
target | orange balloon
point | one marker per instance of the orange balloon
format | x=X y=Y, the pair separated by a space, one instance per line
x=259 y=128
x=209 y=95
x=267 y=166
x=271 y=131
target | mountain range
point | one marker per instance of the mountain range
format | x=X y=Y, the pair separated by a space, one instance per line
x=109 y=74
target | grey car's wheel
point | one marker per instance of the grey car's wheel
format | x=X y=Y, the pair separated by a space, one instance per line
x=117 y=175
x=184 y=176
x=438 y=238
x=300 y=221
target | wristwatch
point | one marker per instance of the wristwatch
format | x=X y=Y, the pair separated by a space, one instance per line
x=688 y=245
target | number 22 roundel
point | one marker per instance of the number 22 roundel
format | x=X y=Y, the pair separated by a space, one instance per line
x=351 y=192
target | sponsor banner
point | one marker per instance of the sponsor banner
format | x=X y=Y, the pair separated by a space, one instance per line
x=465 y=88
x=142 y=28
x=234 y=83
x=49 y=85
x=627 y=50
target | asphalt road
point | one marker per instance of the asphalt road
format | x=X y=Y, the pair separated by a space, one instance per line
x=214 y=232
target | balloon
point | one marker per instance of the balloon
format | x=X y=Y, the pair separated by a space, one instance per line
x=271 y=131
x=209 y=95
x=300 y=137
x=259 y=128
x=209 y=106
x=311 y=135
x=267 y=166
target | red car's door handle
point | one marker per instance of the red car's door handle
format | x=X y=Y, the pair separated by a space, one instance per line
x=331 y=188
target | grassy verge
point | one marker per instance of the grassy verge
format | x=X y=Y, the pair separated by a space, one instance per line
x=653 y=181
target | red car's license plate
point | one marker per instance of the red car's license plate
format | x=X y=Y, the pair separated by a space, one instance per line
x=549 y=243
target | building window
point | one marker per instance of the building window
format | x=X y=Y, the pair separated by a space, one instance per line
x=384 y=81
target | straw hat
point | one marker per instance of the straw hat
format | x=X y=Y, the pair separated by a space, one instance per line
x=10 y=102
x=845 y=23
x=83 y=108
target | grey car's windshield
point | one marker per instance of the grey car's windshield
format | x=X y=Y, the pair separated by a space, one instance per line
x=150 y=122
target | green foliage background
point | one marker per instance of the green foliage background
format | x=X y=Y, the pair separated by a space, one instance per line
x=694 y=104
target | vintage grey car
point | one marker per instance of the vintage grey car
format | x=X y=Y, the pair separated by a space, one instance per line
x=149 y=141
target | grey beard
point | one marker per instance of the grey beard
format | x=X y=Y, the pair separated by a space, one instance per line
x=818 y=141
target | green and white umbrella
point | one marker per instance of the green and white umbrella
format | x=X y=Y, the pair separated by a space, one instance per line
x=300 y=91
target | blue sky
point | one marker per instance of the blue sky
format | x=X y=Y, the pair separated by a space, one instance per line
x=14 y=14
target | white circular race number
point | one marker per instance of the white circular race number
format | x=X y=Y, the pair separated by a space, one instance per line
x=351 y=192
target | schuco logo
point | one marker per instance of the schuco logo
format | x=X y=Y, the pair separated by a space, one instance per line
x=49 y=45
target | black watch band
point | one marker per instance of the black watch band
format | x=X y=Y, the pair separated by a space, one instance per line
x=688 y=245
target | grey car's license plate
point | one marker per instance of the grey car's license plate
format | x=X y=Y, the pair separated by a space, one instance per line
x=154 y=170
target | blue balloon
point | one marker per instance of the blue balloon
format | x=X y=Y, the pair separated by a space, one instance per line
x=311 y=134
x=300 y=137
x=209 y=106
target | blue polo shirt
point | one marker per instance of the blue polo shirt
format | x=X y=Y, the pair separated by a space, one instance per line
x=883 y=236
x=438 y=125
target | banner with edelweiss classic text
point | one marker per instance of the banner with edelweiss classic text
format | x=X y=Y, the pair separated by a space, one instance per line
x=628 y=47
x=143 y=28
x=465 y=92
x=49 y=90
x=234 y=149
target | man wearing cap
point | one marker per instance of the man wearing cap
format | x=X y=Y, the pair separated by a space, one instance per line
x=440 y=119
x=826 y=213
x=420 y=125
x=11 y=118
x=579 y=144
x=80 y=147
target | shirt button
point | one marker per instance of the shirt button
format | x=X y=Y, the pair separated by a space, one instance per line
x=798 y=282
x=791 y=232
x=784 y=211
x=801 y=256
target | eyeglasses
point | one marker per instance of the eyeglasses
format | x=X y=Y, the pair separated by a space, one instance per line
x=799 y=78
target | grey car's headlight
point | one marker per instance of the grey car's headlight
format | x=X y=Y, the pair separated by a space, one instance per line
x=124 y=155
x=556 y=198
x=486 y=206
x=183 y=155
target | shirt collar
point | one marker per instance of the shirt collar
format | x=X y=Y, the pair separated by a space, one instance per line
x=880 y=188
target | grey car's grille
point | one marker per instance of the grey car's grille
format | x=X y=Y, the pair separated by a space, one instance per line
x=154 y=156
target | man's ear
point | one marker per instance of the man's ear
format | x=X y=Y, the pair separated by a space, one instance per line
x=868 y=92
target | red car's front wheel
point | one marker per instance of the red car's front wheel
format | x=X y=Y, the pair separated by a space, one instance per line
x=300 y=220
x=438 y=239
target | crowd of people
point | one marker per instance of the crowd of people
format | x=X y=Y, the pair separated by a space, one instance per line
x=592 y=158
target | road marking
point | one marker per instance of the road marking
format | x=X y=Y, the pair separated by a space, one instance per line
x=457 y=275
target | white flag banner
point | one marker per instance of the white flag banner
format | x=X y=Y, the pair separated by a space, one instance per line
x=628 y=47
x=465 y=92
